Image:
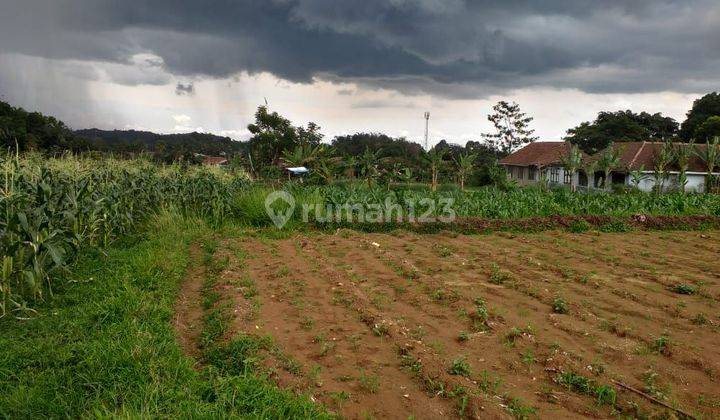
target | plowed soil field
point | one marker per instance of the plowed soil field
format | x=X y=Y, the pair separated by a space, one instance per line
x=547 y=325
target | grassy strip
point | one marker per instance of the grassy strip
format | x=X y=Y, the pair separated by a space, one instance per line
x=105 y=345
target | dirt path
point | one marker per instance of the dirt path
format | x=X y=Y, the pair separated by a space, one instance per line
x=188 y=311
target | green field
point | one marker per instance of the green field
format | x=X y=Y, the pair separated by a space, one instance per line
x=93 y=252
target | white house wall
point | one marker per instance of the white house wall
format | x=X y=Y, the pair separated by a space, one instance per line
x=695 y=182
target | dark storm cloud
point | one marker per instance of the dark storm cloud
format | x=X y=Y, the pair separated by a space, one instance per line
x=450 y=47
x=184 y=89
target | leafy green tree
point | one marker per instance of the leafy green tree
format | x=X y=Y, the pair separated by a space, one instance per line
x=272 y=133
x=498 y=176
x=511 y=128
x=621 y=126
x=309 y=136
x=391 y=150
x=702 y=109
x=709 y=129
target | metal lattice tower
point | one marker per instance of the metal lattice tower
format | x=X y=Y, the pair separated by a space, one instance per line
x=427 y=121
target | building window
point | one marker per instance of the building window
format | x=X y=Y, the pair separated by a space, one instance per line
x=568 y=177
x=583 y=179
x=520 y=171
x=533 y=173
x=555 y=175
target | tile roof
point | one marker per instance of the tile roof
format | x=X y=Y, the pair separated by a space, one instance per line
x=642 y=154
x=633 y=155
x=539 y=153
x=647 y=152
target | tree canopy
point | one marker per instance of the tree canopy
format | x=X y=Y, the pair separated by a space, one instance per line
x=621 y=126
x=703 y=109
x=32 y=130
x=512 y=128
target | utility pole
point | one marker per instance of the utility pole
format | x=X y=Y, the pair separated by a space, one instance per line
x=427 y=121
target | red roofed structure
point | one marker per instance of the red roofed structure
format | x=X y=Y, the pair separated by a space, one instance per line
x=543 y=161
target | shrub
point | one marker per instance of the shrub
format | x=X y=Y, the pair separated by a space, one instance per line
x=579 y=226
x=685 y=289
x=560 y=306
x=460 y=367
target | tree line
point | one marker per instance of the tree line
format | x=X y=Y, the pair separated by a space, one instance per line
x=277 y=143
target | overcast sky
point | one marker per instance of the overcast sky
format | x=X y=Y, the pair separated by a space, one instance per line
x=371 y=65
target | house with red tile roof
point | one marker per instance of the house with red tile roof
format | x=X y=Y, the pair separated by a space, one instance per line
x=543 y=161
x=540 y=161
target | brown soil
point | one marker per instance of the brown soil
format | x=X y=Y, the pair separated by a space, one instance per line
x=188 y=311
x=376 y=321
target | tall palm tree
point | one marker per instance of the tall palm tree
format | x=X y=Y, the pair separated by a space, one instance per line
x=435 y=158
x=609 y=160
x=465 y=165
x=711 y=157
x=571 y=163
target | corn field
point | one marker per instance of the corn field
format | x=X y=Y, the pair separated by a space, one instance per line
x=52 y=207
x=516 y=203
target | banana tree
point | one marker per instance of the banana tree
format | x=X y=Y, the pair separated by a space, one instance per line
x=465 y=165
x=589 y=167
x=302 y=155
x=369 y=163
x=572 y=163
x=609 y=160
x=435 y=159
x=638 y=176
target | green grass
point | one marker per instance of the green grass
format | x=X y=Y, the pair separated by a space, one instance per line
x=105 y=346
x=604 y=394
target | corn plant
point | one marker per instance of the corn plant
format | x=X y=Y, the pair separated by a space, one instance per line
x=682 y=154
x=51 y=208
x=710 y=155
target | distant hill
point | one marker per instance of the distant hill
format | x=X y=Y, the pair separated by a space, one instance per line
x=35 y=131
x=133 y=141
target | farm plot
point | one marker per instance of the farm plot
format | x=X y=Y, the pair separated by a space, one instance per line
x=492 y=326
